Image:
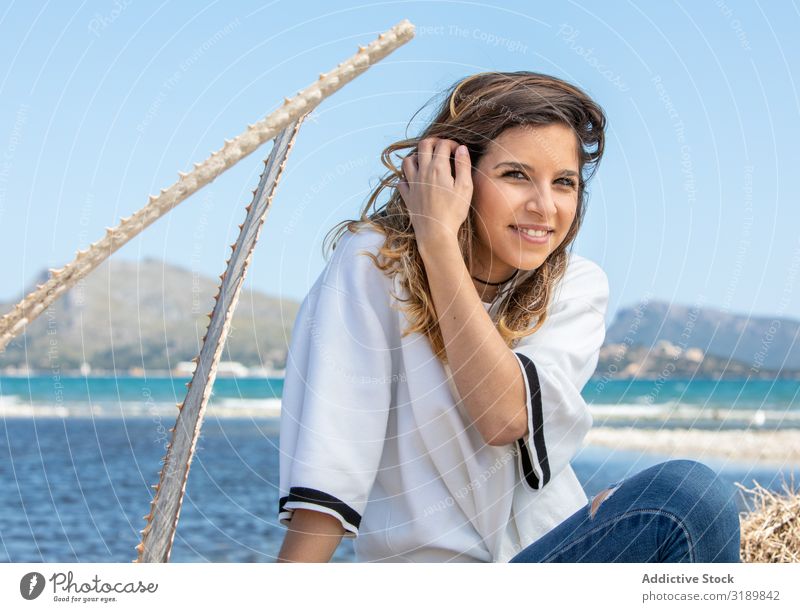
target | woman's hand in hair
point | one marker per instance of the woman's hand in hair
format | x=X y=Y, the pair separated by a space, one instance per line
x=438 y=202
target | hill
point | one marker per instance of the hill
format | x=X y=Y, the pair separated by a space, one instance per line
x=147 y=314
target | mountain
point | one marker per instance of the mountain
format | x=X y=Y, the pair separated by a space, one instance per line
x=152 y=315
x=705 y=341
x=147 y=314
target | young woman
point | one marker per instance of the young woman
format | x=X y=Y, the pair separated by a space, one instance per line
x=432 y=400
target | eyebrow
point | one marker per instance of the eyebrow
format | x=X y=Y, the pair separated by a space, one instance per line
x=564 y=171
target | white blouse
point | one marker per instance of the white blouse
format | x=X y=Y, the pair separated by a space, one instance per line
x=373 y=431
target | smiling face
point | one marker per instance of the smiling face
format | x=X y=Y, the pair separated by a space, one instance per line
x=528 y=176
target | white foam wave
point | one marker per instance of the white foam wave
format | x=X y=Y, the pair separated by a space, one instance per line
x=226 y=408
x=675 y=412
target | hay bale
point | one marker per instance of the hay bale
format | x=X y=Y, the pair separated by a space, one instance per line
x=771 y=531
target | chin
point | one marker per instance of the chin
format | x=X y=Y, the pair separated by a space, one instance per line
x=530 y=261
x=530 y=267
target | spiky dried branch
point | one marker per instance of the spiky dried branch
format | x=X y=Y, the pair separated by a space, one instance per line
x=235 y=149
x=165 y=508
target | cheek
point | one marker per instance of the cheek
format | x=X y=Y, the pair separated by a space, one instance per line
x=481 y=205
x=567 y=209
x=492 y=203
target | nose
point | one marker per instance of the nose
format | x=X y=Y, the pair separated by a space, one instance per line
x=541 y=200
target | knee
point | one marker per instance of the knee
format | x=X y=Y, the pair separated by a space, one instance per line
x=696 y=488
x=685 y=476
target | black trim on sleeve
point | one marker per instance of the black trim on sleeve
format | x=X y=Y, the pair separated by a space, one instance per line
x=320 y=498
x=527 y=468
x=537 y=435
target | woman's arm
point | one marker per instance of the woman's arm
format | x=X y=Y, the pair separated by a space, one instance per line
x=337 y=396
x=312 y=537
x=485 y=371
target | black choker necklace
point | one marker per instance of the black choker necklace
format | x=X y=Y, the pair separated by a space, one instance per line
x=496 y=284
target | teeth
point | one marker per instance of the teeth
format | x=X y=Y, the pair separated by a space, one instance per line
x=537 y=233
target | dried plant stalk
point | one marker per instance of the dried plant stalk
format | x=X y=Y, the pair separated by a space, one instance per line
x=37 y=301
x=159 y=532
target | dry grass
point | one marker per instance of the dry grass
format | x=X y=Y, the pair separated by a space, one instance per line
x=771 y=531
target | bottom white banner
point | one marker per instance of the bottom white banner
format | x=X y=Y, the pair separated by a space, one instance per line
x=618 y=587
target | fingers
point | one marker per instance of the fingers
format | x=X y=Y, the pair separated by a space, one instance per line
x=440 y=162
x=409 y=166
x=433 y=158
x=434 y=154
x=463 y=169
x=424 y=152
x=402 y=187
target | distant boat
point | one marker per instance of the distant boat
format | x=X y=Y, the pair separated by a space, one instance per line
x=231 y=369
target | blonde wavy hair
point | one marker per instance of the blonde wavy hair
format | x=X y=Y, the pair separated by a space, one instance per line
x=475 y=111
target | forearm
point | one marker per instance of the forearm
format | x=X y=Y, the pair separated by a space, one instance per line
x=312 y=538
x=484 y=369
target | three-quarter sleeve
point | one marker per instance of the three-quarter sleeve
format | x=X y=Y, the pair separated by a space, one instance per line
x=556 y=362
x=337 y=393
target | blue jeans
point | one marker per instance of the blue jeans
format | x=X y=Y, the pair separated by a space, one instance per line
x=674 y=512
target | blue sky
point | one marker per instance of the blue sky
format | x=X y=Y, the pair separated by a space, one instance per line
x=102 y=103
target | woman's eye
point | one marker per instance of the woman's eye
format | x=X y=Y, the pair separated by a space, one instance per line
x=567 y=181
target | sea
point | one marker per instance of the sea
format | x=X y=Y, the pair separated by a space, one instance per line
x=79 y=456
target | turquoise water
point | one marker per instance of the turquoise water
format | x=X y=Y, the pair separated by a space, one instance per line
x=711 y=404
x=695 y=403
x=50 y=390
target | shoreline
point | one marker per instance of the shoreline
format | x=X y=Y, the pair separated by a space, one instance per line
x=776 y=447
x=780 y=447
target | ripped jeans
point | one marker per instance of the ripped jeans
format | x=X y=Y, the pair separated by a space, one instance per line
x=677 y=511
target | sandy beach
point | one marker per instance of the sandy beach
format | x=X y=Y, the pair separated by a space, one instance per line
x=779 y=447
